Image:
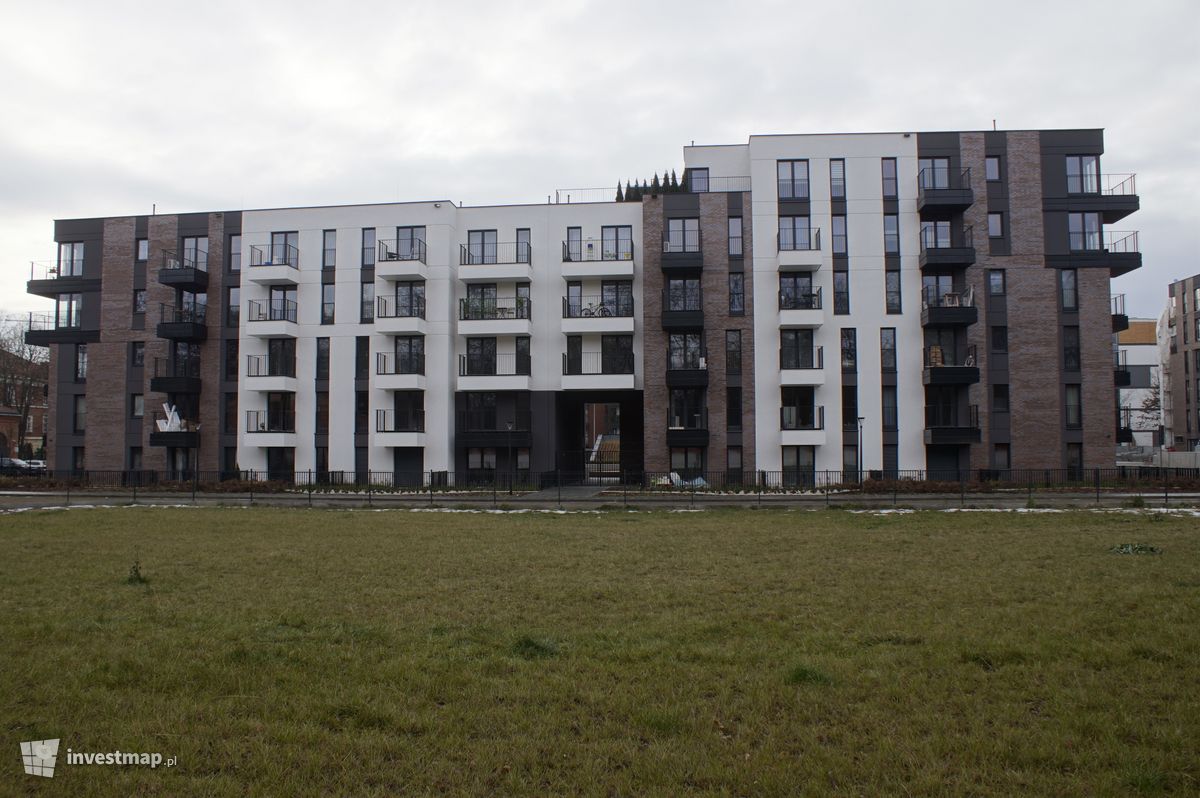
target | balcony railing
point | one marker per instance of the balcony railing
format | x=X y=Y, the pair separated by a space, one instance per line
x=188 y=313
x=589 y=363
x=259 y=421
x=493 y=420
x=401 y=249
x=266 y=366
x=933 y=298
x=271 y=310
x=190 y=259
x=956 y=239
x=791 y=300
x=1118 y=305
x=949 y=357
x=714 y=185
x=688 y=418
x=952 y=416
x=509 y=365
x=493 y=309
x=683 y=301
x=802 y=417
x=484 y=254
x=42 y=322
x=388 y=307
x=797 y=241
x=943 y=177
x=55 y=270
x=388 y=363
x=274 y=255
x=592 y=250
x=597 y=306
x=686 y=242
x=177 y=367
x=794 y=358
x=687 y=359
x=793 y=189
x=1111 y=185
x=1119 y=242
x=406 y=420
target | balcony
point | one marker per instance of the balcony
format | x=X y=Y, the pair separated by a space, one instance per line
x=403 y=372
x=265 y=373
x=597 y=314
x=173 y=432
x=951 y=309
x=1115 y=250
x=273 y=264
x=682 y=311
x=687 y=369
x=682 y=250
x=509 y=316
x=802 y=425
x=49 y=279
x=956 y=250
x=687 y=427
x=951 y=425
x=799 y=249
x=1122 y=377
x=176 y=376
x=942 y=191
x=597 y=258
x=184 y=323
x=598 y=371
x=801 y=366
x=950 y=367
x=270 y=429
x=272 y=318
x=507 y=372
x=405 y=427
x=403 y=316
x=1120 y=321
x=45 y=329
x=491 y=263
x=188 y=272
x=403 y=259
x=1113 y=196
x=493 y=427
x=1125 y=425
x=800 y=309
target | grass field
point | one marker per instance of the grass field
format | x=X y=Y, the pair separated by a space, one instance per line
x=281 y=652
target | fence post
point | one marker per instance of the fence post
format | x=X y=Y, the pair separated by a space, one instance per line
x=624 y=490
x=760 y=492
x=310 y=489
x=1097 y=485
x=493 y=491
x=1029 y=491
x=1166 y=489
x=430 y=488
x=558 y=483
x=135 y=482
x=370 y=497
x=195 y=478
x=962 y=489
x=68 y=491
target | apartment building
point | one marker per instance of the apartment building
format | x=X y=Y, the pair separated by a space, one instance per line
x=1139 y=382
x=880 y=302
x=1179 y=336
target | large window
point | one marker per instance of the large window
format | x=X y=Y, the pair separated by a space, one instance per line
x=737 y=294
x=79 y=416
x=1070 y=341
x=891 y=234
x=68 y=307
x=795 y=233
x=841 y=292
x=329 y=249
x=1069 y=289
x=683 y=235
x=793 y=179
x=697 y=180
x=796 y=350
x=891 y=279
x=616 y=242
x=991 y=168
x=683 y=294
x=285 y=249
x=1084 y=231
x=887 y=349
x=195 y=253
x=849 y=349
x=889 y=178
x=368 y=246
x=1074 y=406
x=735 y=237
x=1083 y=174
x=327 y=303
x=733 y=351
x=796 y=291
x=839 y=235
x=685 y=351
x=933 y=172
x=81 y=362
x=687 y=409
x=935 y=235
x=798 y=409
x=837 y=179
x=70 y=259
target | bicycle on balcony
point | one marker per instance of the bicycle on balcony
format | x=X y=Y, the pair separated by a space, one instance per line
x=598 y=310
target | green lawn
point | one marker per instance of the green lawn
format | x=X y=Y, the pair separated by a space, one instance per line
x=289 y=652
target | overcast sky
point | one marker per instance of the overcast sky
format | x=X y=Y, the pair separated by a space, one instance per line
x=109 y=107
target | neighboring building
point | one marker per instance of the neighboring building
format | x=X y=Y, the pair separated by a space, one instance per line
x=890 y=302
x=1138 y=375
x=23 y=405
x=1179 y=337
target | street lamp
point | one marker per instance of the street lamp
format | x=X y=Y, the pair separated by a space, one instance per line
x=511 y=465
x=859 y=450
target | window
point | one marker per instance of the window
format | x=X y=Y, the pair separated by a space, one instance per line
x=991 y=168
x=1000 y=457
x=999 y=338
x=733 y=464
x=322 y=417
x=70 y=259
x=799 y=465
x=137 y=405
x=366 y=296
x=935 y=235
x=1000 y=398
x=362 y=346
x=839 y=235
x=933 y=172
x=230 y=414
x=235 y=253
x=68 y=308
x=1084 y=231
x=687 y=462
x=697 y=180
x=368 y=246
x=135 y=458
x=793 y=179
x=79 y=417
x=143 y=249
x=996 y=282
x=139 y=300
x=1083 y=174
x=481 y=459
x=841 y=292
x=887 y=349
x=81 y=362
x=891 y=234
x=410 y=354
x=891 y=280
x=523 y=246
x=733 y=351
x=733 y=409
x=685 y=351
x=322 y=359
x=1074 y=409
x=329 y=249
x=233 y=306
x=795 y=233
x=683 y=235
x=231 y=359
x=889 y=178
x=996 y=225
x=737 y=294
x=327 y=303
x=796 y=291
x=687 y=409
x=78 y=458
x=410 y=244
x=616 y=242
x=1070 y=348
x=195 y=253
x=837 y=178
x=281 y=412
x=361 y=410
x=1068 y=283
x=735 y=237
x=574 y=244
x=138 y=354
x=683 y=294
x=888 y=405
x=849 y=349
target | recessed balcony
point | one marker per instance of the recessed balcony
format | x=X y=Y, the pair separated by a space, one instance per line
x=270 y=429
x=799 y=248
x=802 y=425
x=687 y=369
x=949 y=366
x=509 y=316
x=400 y=428
x=597 y=314
x=681 y=311
x=942 y=191
x=598 y=371
x=266 y=373
x=949 y=309
x=172 y=375
x=272 y=318
x=951 y=425
x=687 y=427
x=507 y=372
x=493 y=427
x=183 y=323
x=495 y=263
x=403 y=371
x=682 y=250
x=802 y=366
x=273 y=264
x=800 y=309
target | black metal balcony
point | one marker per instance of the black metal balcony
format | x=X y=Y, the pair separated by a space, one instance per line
x=1122 y=376
x=174 y=433
x=802 y=418
x=1120 y=321
x=266 y=366
x=388 y=364
x=408 y=420
x=1115 y=250
x=802 y=240
x=682 y=250
x=275 y=255
x=595 y=363
x=494 y=309
x=942 y=191
x=956 y=250
x=951 y=425
x=1113 y=196
x=49 y=279
x=952 y=309
x=792 y=358
x=687 y=427
x=682 y=311
x=687 y=369
x=509 y=365
x=173 y=375
x=597 y=307
x=488 y=254
x=183 y=323
x=404 y=249
x=811 y=300
x=406 y=307
x=271 y=310
x=584 y=251
x=494 y=421
x=950 y=367
x=45 y=329
x=188 y=271
x=259 y=421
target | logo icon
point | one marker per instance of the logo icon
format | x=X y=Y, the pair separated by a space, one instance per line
x=39 y=757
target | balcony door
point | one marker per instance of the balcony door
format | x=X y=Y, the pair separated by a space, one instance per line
x=616 y=243
x=481 y=356
x=285 y=248
x=574 y=354
x=796 y=349
x=481 y=246
x=616 y=354
x=481 y=301
x=617 y=297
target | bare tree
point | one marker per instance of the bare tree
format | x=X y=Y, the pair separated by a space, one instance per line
x=24 y=372
x=1150 y=409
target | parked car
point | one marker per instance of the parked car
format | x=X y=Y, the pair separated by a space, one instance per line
x=37 y=466
x=12 y=466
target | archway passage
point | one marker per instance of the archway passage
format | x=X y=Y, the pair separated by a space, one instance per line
x=601 y=436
